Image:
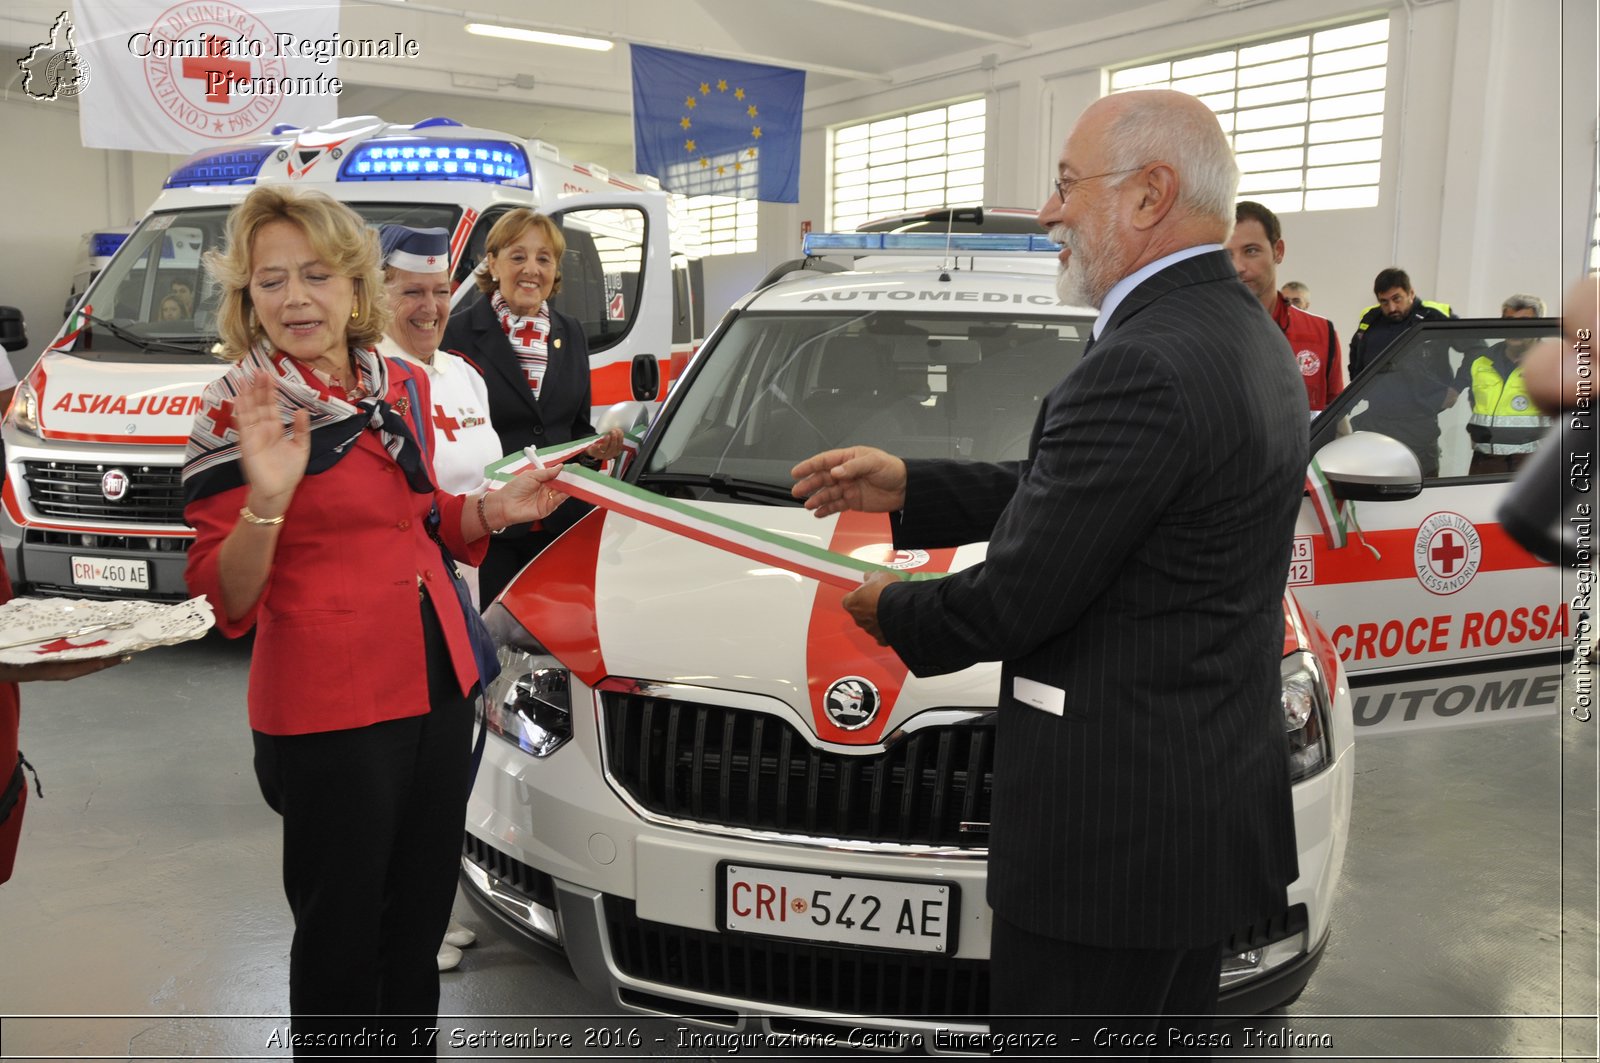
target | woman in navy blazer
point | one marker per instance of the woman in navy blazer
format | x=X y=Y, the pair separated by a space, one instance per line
x=310 y=501
x=535 y=360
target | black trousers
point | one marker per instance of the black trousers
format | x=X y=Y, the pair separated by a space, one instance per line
x=1099 y=1002
x=372 y=821
x=504 y=559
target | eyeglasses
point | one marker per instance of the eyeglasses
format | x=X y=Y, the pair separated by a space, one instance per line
x=1062 y=186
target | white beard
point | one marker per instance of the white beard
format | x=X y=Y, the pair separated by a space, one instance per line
x=1083 y=281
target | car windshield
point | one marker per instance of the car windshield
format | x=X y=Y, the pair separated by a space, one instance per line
x=155 y=294
x=779 y=387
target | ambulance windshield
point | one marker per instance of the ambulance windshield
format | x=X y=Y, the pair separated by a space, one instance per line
x=155 y=296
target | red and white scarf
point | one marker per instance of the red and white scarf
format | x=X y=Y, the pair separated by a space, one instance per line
x=529 y=336
x=211 y=461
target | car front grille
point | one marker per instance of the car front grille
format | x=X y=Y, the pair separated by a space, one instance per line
x=836 y=979
x=742 y=768
x=508 y=871
x=71 y=491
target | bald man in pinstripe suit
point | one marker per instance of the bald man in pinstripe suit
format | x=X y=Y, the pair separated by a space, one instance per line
x=1132 y=588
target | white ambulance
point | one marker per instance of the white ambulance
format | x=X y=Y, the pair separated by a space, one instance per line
x=95 y=437
x=722 y=800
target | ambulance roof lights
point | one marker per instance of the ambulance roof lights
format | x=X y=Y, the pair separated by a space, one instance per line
x=285 y=127
x=496 y=162
x=925 y=244
x=105 y=244
x=436 y=120
x=236 y=166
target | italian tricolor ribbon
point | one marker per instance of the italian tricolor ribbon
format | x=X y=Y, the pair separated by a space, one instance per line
x=80 y=317
x=694 y=522
x=1337 y=518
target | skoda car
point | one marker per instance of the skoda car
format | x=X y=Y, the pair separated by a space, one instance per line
x=720 y=798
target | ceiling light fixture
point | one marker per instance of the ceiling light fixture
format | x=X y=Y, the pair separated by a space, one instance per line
x=514 y=33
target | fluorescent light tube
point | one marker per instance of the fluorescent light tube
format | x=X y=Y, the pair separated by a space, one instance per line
x=513 y=33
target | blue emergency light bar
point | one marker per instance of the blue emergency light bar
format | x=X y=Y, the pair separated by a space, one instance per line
x=495 y=162
x=104 y=245
x=925 y=244
x=235 y=166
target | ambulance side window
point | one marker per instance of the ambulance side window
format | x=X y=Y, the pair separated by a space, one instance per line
x=1451 y=393
x=688 y=300
x=600 y=273
x=473 y=253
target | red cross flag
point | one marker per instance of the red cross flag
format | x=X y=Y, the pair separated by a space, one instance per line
x=177 y=78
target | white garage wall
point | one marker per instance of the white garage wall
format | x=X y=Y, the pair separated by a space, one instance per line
x=1489 y=138
x=53 y=190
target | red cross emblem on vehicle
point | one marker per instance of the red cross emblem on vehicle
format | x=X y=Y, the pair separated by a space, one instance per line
x=1446 y=552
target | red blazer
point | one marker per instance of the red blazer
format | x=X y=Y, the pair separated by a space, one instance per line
x=338 y=626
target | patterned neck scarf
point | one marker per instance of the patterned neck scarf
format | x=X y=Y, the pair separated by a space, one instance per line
x=211 y=462
x=529 y=336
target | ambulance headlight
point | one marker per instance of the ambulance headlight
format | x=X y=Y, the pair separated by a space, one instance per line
x=530 y=702
x=24 y=412
x=1305 y=716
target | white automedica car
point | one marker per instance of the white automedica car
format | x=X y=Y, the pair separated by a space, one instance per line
x=723 y=800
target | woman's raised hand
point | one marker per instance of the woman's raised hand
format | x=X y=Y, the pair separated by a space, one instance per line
x=274 y=459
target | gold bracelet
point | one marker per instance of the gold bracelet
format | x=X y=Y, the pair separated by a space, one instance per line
x=251 y=518
x=483 y=516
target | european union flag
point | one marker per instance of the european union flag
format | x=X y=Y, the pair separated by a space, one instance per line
x=717 y=127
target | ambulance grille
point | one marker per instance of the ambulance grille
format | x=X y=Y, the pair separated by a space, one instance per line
x=71 y=491
x=837 y=979
x=740 y=768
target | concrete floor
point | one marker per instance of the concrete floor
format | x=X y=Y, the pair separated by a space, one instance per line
x=145 y=918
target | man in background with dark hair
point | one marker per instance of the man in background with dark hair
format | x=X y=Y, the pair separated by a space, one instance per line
x=1257 y=249
x=1413 y=390
x=1398 y=309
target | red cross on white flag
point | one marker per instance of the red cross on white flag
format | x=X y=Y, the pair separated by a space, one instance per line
x=181 y=77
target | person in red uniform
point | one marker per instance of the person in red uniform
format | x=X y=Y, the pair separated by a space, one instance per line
x=311 y=505
x=14 y=789
x=1257 y=249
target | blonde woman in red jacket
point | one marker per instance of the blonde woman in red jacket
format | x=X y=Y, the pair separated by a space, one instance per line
x=310 y=501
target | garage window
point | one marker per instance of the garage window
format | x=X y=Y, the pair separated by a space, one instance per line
x=727 y=223
x=1304 y=113
x=919 y=160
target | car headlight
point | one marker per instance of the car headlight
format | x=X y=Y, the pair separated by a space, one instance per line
x=1305 y=716
x=530 y=702
x=24 y=412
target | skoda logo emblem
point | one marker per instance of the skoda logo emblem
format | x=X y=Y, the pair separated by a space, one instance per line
x=851 y=702
x=114 y=485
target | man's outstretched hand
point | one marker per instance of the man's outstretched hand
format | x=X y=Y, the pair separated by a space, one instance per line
x=861 y=478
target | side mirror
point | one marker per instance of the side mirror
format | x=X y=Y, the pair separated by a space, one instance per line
x=624 y=415
x=646 y=377
x=13 y=333
x=1370 y=467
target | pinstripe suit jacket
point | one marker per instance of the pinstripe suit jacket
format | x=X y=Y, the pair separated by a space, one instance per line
x=1136 y=563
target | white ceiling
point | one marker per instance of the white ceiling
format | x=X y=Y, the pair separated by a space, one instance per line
x=581 y=100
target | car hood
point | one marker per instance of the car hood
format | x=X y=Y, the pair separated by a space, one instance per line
x=619 y=600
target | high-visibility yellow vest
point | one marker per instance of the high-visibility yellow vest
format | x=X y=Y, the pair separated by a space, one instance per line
x=1504 y=419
